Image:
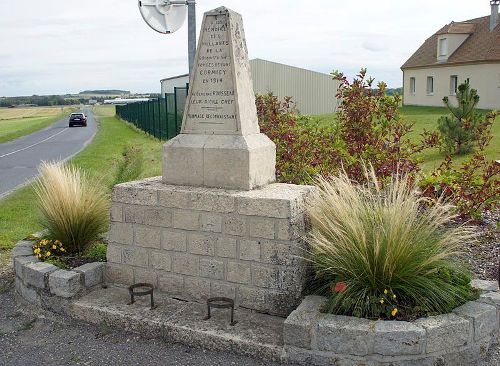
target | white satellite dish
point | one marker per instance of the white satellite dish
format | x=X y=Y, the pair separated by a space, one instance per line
x=163 y=16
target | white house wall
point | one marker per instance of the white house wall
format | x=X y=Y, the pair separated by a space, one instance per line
x=483 y=77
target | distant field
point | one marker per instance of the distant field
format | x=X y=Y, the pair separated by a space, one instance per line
x=426 y=118
x=107 y=110
x=17 y=122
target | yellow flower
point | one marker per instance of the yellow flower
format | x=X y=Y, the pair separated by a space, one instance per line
x=54 y=246
x=381 y=301
x=394 y=312
x=47 y=254
x=36 y=251
x=62 y=249
x=393 y=296
x=57 y=242
x=385 y=291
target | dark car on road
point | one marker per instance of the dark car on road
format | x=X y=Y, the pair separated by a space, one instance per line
x=77 y=119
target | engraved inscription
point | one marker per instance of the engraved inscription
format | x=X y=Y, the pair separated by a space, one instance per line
x=212 y=103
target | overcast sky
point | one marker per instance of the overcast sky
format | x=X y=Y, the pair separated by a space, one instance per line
x=66 y=46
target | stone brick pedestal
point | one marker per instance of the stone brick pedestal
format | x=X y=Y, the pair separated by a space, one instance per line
x=198 y=242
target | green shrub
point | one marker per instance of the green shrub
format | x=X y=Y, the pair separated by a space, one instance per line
x=130 y=166
x=302 y=151
x=74 y=208
x=473 y=185
x=97 y=252
x=462 y=128
x=367 y=240
x=368 y=129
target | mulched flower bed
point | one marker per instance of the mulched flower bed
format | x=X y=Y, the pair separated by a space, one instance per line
x=73 y=262
x=484 y=255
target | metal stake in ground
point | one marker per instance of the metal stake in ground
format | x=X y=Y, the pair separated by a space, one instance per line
x=134 y=293
x=221 y=303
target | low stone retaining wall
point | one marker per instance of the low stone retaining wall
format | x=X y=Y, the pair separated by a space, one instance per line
x=458 y=338
x=48 y=286
x=307 y=336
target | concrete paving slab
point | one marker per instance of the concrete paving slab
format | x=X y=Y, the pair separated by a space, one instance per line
x=255 y=334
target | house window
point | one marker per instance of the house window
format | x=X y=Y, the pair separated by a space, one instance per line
x=413 y=87
x=443 y=47
x=430 y=85
x=453 y=84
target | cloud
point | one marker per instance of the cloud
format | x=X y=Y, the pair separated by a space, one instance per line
x=61 y=46
x=374 y=46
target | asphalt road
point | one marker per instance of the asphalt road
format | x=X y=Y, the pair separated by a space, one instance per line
x=19 y=158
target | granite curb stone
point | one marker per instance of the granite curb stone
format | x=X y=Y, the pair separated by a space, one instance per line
x=460 y=338
x=48 y=286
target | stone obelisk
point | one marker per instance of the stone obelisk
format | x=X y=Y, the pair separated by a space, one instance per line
x=220 y=144
x=187 y=237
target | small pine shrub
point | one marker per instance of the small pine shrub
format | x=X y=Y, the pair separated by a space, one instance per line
x=74 y=209
x=461 y=129
x=367 y=242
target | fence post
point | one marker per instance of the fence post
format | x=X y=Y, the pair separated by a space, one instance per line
x=144 y=115
x=158 y=101
x=175 y=110
x=166 y=116
x=148 y=120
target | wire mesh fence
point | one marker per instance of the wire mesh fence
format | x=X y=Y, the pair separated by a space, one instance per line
x=161 y=118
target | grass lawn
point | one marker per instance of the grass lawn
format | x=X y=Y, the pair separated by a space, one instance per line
x=18 y=213
x=17 y=122
x=426 y=118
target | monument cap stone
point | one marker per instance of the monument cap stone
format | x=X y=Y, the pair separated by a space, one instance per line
x=220 y=144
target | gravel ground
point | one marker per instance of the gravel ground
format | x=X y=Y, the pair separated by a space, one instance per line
x=483 y=256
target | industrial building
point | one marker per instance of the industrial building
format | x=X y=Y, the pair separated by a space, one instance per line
x=313 y=92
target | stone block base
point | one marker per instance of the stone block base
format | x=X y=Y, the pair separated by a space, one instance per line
x=196 y=242
x=220 y=161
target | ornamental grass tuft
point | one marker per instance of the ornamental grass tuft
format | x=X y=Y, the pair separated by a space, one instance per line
x=74 y=208
x=368 y=241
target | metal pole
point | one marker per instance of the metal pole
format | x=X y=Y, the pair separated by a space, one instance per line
x=191 y=33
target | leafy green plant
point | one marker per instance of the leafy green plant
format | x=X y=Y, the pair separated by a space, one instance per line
x=302 y=150
x=473 y=186
x=74 y=209
x=97 y=252
x=368 y=129
x=58 y=262
x=130 y=166
x=375 y=239
x=463 y=127
x=371 y=130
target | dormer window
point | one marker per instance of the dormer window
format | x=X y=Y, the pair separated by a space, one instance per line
x=443 y=46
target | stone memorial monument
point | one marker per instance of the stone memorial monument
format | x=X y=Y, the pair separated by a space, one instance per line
x=215 y=224
x=220 y=144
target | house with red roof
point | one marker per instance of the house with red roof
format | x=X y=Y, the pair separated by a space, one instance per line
x=458 y=51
